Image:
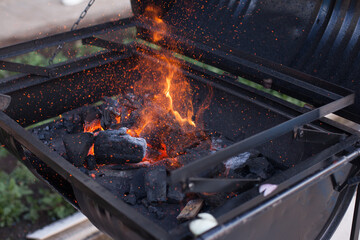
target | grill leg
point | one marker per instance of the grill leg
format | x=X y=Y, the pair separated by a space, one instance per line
x=356 y=218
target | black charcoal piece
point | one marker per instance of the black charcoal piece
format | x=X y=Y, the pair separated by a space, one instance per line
x=42 y=136
x=91 y=113
x=168 y=163
x=261 y=167
x=237 y=161
x=130 y=199
x=73 y=123
x=137 y=184
x=159 y=213
x=145 y=202
x=91 y=162
x=118 y=182
x=77 y=147
x=175 y=194
x=84 y=170
x=155 y=184
x=117 y=147
x=254 y=153
x=109 y=112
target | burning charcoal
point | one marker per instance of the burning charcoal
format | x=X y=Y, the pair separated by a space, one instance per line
x=155 y=184
x=130 y=199
x=129 y=166
x=109 y=102
x=91 y=162
x=261 y=167
x=77 y=147
x=137 y=185
x=160 y=214
x=91 y=113
x=169 y=164
x=191 y=209
x=109 y=112
x=117 y=147
x=72 y=123
x=175 y=194
x=108 y=117
x=179 y=142
x=130 y=100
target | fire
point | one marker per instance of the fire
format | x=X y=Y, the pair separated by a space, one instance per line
x=172 y=92
x=91 y=150
x=171 y=107
x=166 y=118
x=92 y=127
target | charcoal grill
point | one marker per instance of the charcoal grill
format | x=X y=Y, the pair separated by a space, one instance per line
x=317 y=143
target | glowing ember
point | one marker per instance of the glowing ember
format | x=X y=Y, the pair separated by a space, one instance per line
x=91 y=150
x=166 y=117
x=93 y=126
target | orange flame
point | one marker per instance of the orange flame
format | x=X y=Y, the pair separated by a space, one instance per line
x=166 y=117
x=91 y=150
x=92 y=127
x=171 y=92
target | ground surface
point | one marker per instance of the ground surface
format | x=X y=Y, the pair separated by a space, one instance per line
x=21 y=20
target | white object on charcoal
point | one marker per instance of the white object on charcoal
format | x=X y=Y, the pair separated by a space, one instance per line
x=205 y=222
x=237 y=161
x=267 y=188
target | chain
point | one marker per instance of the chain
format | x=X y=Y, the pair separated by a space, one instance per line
x=74 y=27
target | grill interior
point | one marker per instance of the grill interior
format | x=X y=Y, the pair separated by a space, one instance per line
x=245 y=115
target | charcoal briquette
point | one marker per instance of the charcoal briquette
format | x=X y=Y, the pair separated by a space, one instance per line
x=77 y=147
x=91 y=162
x=137 y=184
x=175 y=193
x=130 y=199
x=117 y=147
x=155 y=184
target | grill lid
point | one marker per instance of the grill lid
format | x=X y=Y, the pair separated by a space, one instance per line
x=321 y=38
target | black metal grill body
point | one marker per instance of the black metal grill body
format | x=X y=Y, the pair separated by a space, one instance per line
x=37 y=97
x=319 y=37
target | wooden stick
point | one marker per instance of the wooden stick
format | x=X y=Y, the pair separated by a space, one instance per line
x=191 y=209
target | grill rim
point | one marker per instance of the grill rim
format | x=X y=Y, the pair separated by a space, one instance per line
x=16 y=131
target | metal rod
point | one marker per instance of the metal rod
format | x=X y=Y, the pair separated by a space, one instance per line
x=24 y=68
x=280 y=197
x=70 y=36
x=196 y=167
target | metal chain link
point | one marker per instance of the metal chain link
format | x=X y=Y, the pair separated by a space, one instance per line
x=74 y=26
